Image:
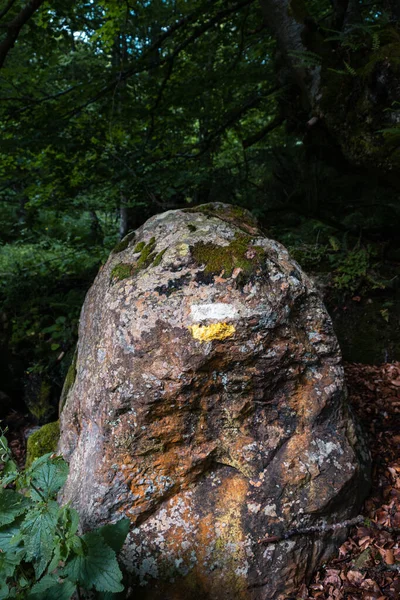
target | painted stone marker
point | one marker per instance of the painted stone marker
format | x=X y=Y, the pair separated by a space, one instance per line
x=209 y=407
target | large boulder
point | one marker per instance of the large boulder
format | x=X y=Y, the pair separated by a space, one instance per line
x=209 y=407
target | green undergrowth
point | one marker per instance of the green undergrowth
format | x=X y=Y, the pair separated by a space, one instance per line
x=43 y=282
x=42 y=556
x=352 y=265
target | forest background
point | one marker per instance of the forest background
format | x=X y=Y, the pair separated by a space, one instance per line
x=112 y=111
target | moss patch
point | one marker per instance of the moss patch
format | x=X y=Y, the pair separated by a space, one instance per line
x=124 y=243
x=43 y=441
x=121 y=271
x=139 y=247
x=158 y=258
x=223 y=260
x=147 y=255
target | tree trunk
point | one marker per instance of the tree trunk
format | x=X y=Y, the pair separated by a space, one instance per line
x=354 y=93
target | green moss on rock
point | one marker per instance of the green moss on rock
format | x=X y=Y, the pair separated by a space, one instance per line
x=43 y=441
x=239 y=254
x=124 y=243
x=139 y=247
x=147 y=255
x=121 y=271
x=158 y=258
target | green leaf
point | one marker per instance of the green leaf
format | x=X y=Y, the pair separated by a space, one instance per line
x=49 y=476
x=12 y=505
x=56 y=558
x=4 y=591
x=8 y=563
x=49 y=588
x=39 y=527
x=9 y=473
x=46 y=582
x=97 y=568
x=69 y=520
x=115 y=535
x=10 y=536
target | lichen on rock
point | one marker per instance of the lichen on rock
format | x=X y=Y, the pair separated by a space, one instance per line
x=209 y=407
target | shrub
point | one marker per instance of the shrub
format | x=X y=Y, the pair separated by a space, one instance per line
x=42 y=556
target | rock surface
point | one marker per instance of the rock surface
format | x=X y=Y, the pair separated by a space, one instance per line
x=209 y=407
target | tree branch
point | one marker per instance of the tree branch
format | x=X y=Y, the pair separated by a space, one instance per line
x=323 y=528
x=231 y=118
x=253 y=139
x=7 y=8
x=15 y=26
x=141 y=68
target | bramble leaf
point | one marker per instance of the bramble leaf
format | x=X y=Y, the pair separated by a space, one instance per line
x=97 y=568
x=8 y=563
x=12 y=505
x=39 y=527
x=10 y=536
x=115 y=534
x=48 y=476
x=49 y=588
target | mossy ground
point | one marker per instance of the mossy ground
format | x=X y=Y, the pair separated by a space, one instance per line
x=43 y=441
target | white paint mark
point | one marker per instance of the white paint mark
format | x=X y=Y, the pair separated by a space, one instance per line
x=217 y=310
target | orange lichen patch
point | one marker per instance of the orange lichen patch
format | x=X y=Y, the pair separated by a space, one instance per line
x=215 y=331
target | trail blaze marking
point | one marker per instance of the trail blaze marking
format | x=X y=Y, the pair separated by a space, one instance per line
x=216 y=331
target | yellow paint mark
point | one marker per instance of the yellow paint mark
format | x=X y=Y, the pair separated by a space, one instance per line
x=216 y=331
